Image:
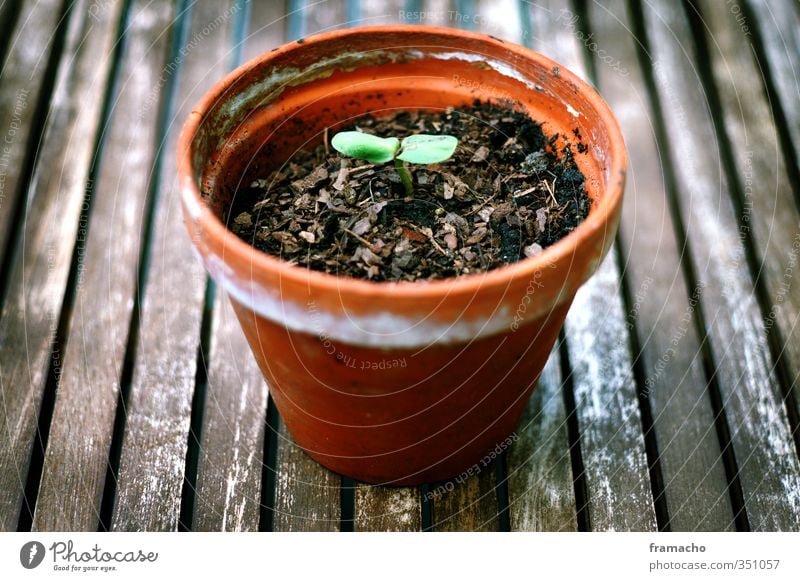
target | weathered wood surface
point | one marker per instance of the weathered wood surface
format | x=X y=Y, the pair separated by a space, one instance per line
x=28 y=48
x=379 y=508
x=767 y=463
x=777 y=26
x=612 y=445
x=74 y=472
x=38 y=278
x=770 y=217
x=467 y=502
x=662 y=301
x=152 y=466
x=197 y=444
x=541 y=493
x=307 y=496
x=232 y=437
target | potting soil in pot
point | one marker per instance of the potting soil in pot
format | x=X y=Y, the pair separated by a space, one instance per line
x=505 y=194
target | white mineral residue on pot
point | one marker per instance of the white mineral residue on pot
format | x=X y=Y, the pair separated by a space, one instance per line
x=498 y=66
x=280 y=78
x=193 y=207
x=377 y=329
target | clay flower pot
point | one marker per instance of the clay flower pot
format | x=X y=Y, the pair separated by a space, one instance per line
x=398 y=383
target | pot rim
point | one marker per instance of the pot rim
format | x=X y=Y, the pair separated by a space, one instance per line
x=599 y=217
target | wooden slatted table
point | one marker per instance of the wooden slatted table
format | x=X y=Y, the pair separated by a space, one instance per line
x=128 y=396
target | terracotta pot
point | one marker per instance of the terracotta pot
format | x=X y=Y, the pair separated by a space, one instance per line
x=398 y=383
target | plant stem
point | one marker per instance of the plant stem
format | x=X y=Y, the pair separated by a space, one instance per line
x=405 y=177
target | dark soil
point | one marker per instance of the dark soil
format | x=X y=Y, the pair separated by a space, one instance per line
x=504 y=195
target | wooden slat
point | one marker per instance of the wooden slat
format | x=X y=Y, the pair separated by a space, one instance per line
x=266 y=28
x=769 y=203
x=7 y=18
x=232 y=436
x=307 y=496
x=39 y=276
x=381 y=508
x=324 y=16
x=385 y=12
x=83 y=420
x=153 y=458
x=779 y=27
x=467 y=503
x=611 y=440
x=767 y=463
x=694 y=481
x=22 y=77
x=437 y=13
x=540 y=484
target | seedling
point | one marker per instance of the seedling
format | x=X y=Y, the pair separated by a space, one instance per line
x=419 y=149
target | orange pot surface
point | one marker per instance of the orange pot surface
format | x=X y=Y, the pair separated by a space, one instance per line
x=397 y=383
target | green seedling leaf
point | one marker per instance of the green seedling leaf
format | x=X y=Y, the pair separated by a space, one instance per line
x=427 y=148
x=364 y=146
